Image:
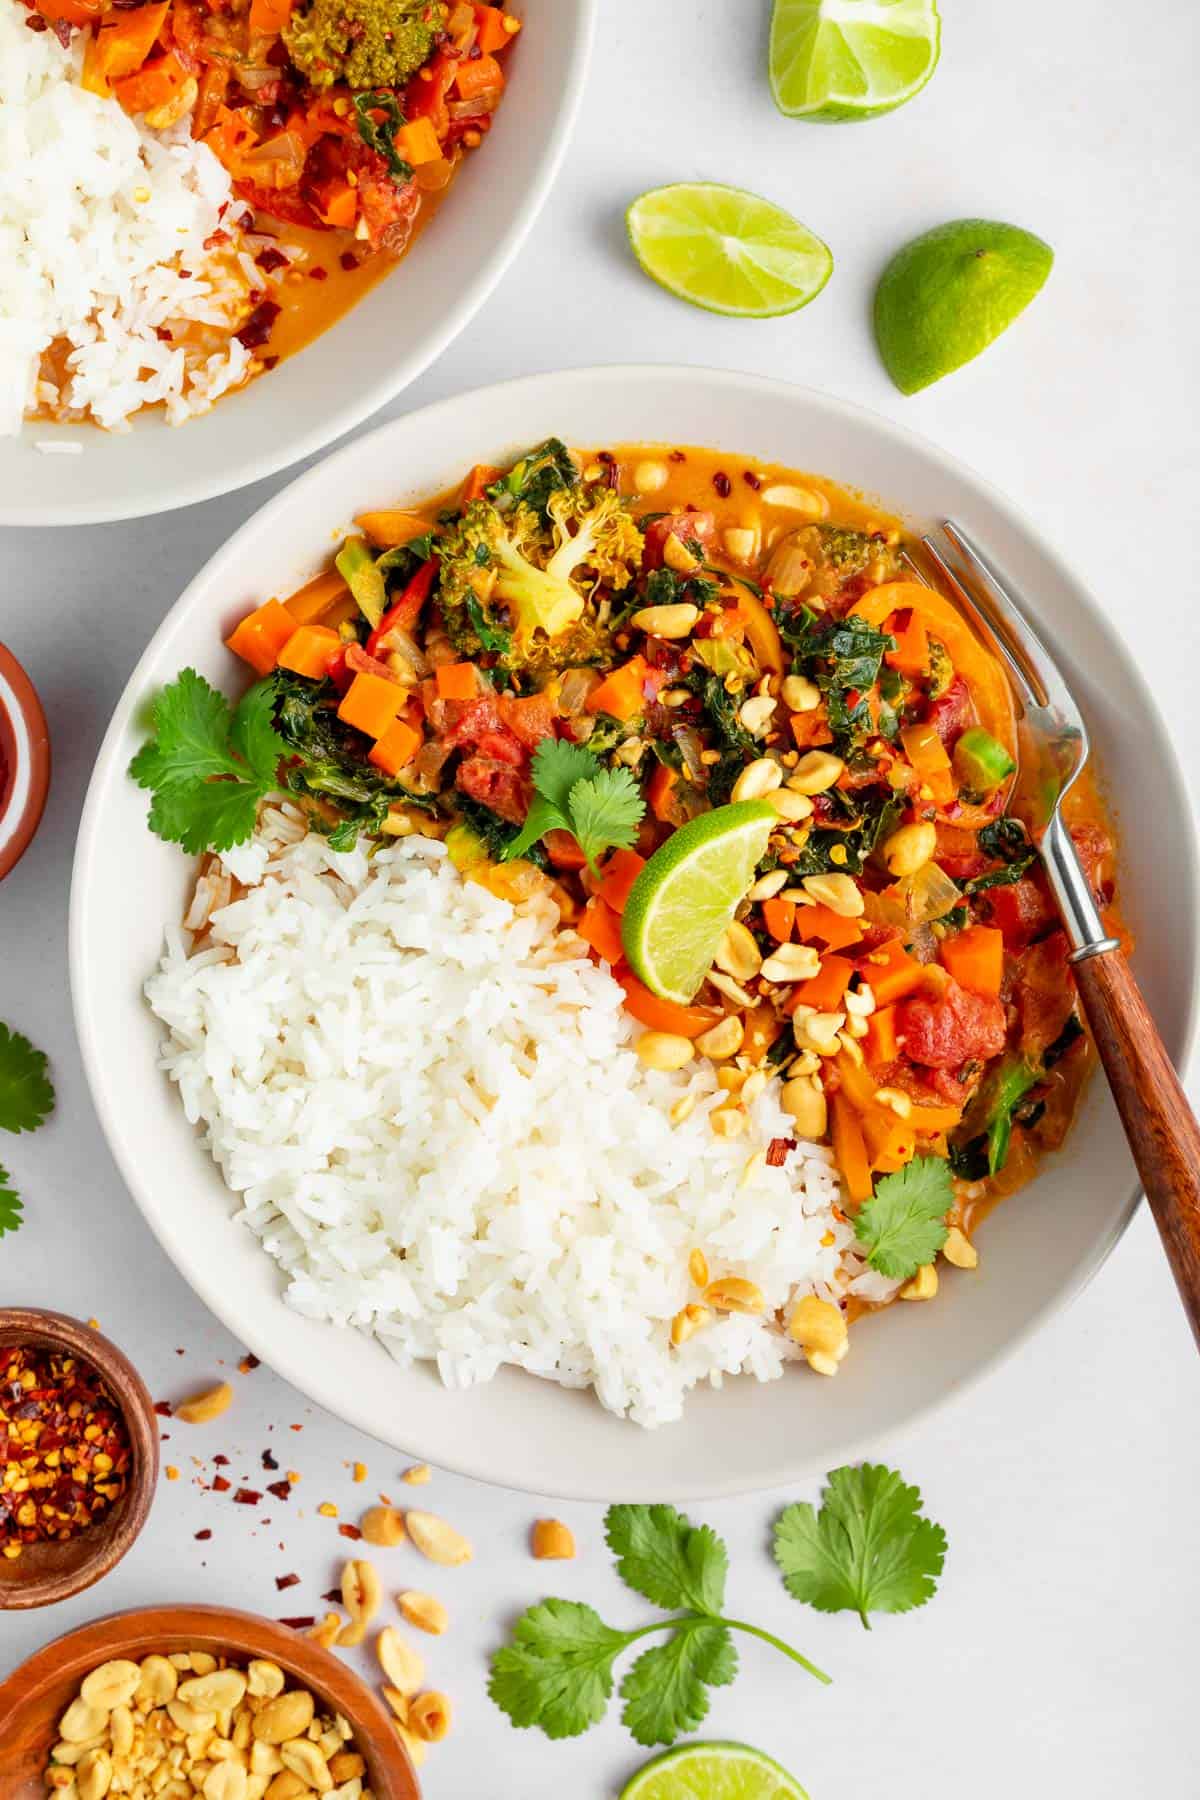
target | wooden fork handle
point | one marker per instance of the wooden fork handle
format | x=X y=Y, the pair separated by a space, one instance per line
x=1161 y=1127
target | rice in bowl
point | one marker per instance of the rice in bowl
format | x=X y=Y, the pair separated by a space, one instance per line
x=429 y=1103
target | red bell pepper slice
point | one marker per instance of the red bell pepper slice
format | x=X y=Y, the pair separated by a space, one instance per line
x=407 y=610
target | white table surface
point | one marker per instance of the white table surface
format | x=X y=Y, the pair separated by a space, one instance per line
x=1058 y=1658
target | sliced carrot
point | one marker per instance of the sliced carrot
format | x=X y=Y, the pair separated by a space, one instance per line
x=478 y=75
x=562 y=847
x=663 y=1015
x=269 y=16
x=896 y=976
x=310 y=650
x=417 y=142
x=835 y=932
x=370 y=704
x=779 y=916
x=457 y=681
x=491 y=27
x=911 y=655
x=881 y=1045
x=600 y=927
x=825 y=989
x=810 y=728
x=261 y=636
x=659 y=792
x=389 y=529
x=856 y=1082
x=849 y=1149
x=397 y=747
x=622 y=694
x=934 y=1119
x=762 y=633
x=888 y=1139
x=478 y=481
x=618 y=876
x=927 y=754
x=123 y=45
x=308 y=603
x=339 y=205
x=980 y=670
x=975 y=958
x=153 y=85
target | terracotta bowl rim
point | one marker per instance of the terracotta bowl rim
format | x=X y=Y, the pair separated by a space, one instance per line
x=113 y=1540
x=241 y=1636
x=17 y=829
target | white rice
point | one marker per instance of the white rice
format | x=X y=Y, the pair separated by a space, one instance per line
x=99 y=219
x=430 y=1106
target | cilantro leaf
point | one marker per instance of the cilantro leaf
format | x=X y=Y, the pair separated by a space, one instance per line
x=606 y=813
x=558 y=767
x=668 y=1559
x=10 y=1205
x=26 y=1093
x=666 y=1690
x=207 y=766
x=558 y=1671
x=542 y=817
x=904 y=1225
x=867 y=1550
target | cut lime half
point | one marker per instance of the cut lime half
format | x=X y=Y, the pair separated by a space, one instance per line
x=686 y=895
x=713 y=1772
x=727 y=250
x=834 y=60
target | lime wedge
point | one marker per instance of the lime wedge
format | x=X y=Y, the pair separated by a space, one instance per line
x=713 y=1772
x=686 y=894
x=727 y=250
x=851 y=59
x=948 y=294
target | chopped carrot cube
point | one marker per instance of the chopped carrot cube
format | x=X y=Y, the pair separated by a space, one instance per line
x=619 y=874
x=975 y=958
x=261 y=636
x=779 y=916
x=478 y=75
x=417 y=142
x=398 y=745
x=826 y=988
x=881 y=1045
x=835 y=932
x=308 y=603
x=622 y=694
x=456 y=681
x=495 y=30
x=601 y=928
x=309 y=651
x=371 y=703
x=810 y=728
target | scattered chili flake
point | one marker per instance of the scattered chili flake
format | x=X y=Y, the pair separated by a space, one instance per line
x=35 y=22
x=184 y=274
x=318 y=274
x=295 y=1428
x=268 y=1461
x=349 y=1531
x=348 y=260
x=676 y=456
x=268 y=362
x=247 y=1497
x=203 y=1536
x=163 y=333
x=751 y=479
x=722 y=484
x=221 y=1461
x=293 y=1476
x=216 y=237
x=62 y=31
x=334 y=1596
x=250 y=1362
x=282 y=1490
x=286 y=1581
x=252 y=336
x=163 y=1408
x=778 y=1151
x=301 y=1622
x=64 y=1449
x=221 y=1484
x=270 y=260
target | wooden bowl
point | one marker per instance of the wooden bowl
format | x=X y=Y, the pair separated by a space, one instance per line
x=36 y=1695
x=24 y=761
x=44 y=1573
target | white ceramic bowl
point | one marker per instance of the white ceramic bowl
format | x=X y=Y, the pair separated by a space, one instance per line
x=363 y=361
x=1037 y=1250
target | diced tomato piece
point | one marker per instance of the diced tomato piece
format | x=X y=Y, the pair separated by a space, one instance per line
x=945 y=1031
x=531 y=719
x=951 y=714
x=958 y=854
x=503 y=747
x=1045 y=994
x=682 y=525
x=497 y=785
x=1023 y=911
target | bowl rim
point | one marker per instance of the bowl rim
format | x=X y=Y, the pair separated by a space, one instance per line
x=340 y=419
x=280 y=1643
x=31 y=778
x=746 y=386
x=37 y=1325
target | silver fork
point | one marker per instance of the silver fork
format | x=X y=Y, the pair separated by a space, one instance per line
x=1159 y=1123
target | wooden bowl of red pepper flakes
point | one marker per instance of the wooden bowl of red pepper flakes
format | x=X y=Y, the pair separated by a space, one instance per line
x=78 y=1456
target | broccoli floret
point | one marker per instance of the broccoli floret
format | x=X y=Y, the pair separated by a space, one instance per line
x=535 y=477
x=365 y=43
x=514 y=572
x=849 y=552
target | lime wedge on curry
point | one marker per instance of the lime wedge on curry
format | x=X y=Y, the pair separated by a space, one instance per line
x=834 y=60
x=686 y=895
x=727 y=250
x=713 y=1772
x=950 y=293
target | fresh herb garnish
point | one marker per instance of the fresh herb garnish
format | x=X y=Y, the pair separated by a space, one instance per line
x=1005 y=838
x=532 y=480
x=557 y=1672
x=380 y=134
x=601 y=807
x=995 y=878
x=903 y=1226
x=736 y=744
x=867 y=1550
x=207 y=766
x=666 y=587
x=26 y=1101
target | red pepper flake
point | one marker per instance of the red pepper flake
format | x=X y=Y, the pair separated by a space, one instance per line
x=35 y=22
x=64 y=1450
x=286 y=1581
x=268 y=1461
x=751 y=479
x=250 y=1362
x=220 y=1485
x=269 y=362
x=247 y=1497
x=252 y=336
x=221 y=1461
x=778 y=1151
x=348 y=260
x=184 y=274
x=318 y=274
x=349 y=1531
x=301 y=1623
x=163 y=1408
x=676 y=456
x=215 y=238
x=334 y=1595
x=202 y=1537
x=722 y=484
x=62 y=31
x=282 y=1490
x=269 y=260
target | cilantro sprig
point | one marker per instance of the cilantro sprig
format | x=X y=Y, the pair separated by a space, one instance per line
x=26 y=1101
x=208 y=765
x=868 y=1549
x=601 y=807
x=558 y=1671
x=903 y=1226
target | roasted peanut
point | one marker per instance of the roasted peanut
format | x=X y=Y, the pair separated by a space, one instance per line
x=264 y=1679
x=733 y=1294
x=219 y=1692
x=552 y=1541
x=361 y=1596
x=209 y=1404
x=399 y=1661
x=429 y=1716
x=382 y=1526
x=287 y=1716
x=423 y=1611
x=440 y=1542
x=112 y=1684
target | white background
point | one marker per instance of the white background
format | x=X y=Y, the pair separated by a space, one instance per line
x=1059 y=1656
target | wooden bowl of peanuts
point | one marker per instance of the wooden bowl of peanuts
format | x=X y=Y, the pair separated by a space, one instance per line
x=249 y=1706
x=80 y=1462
